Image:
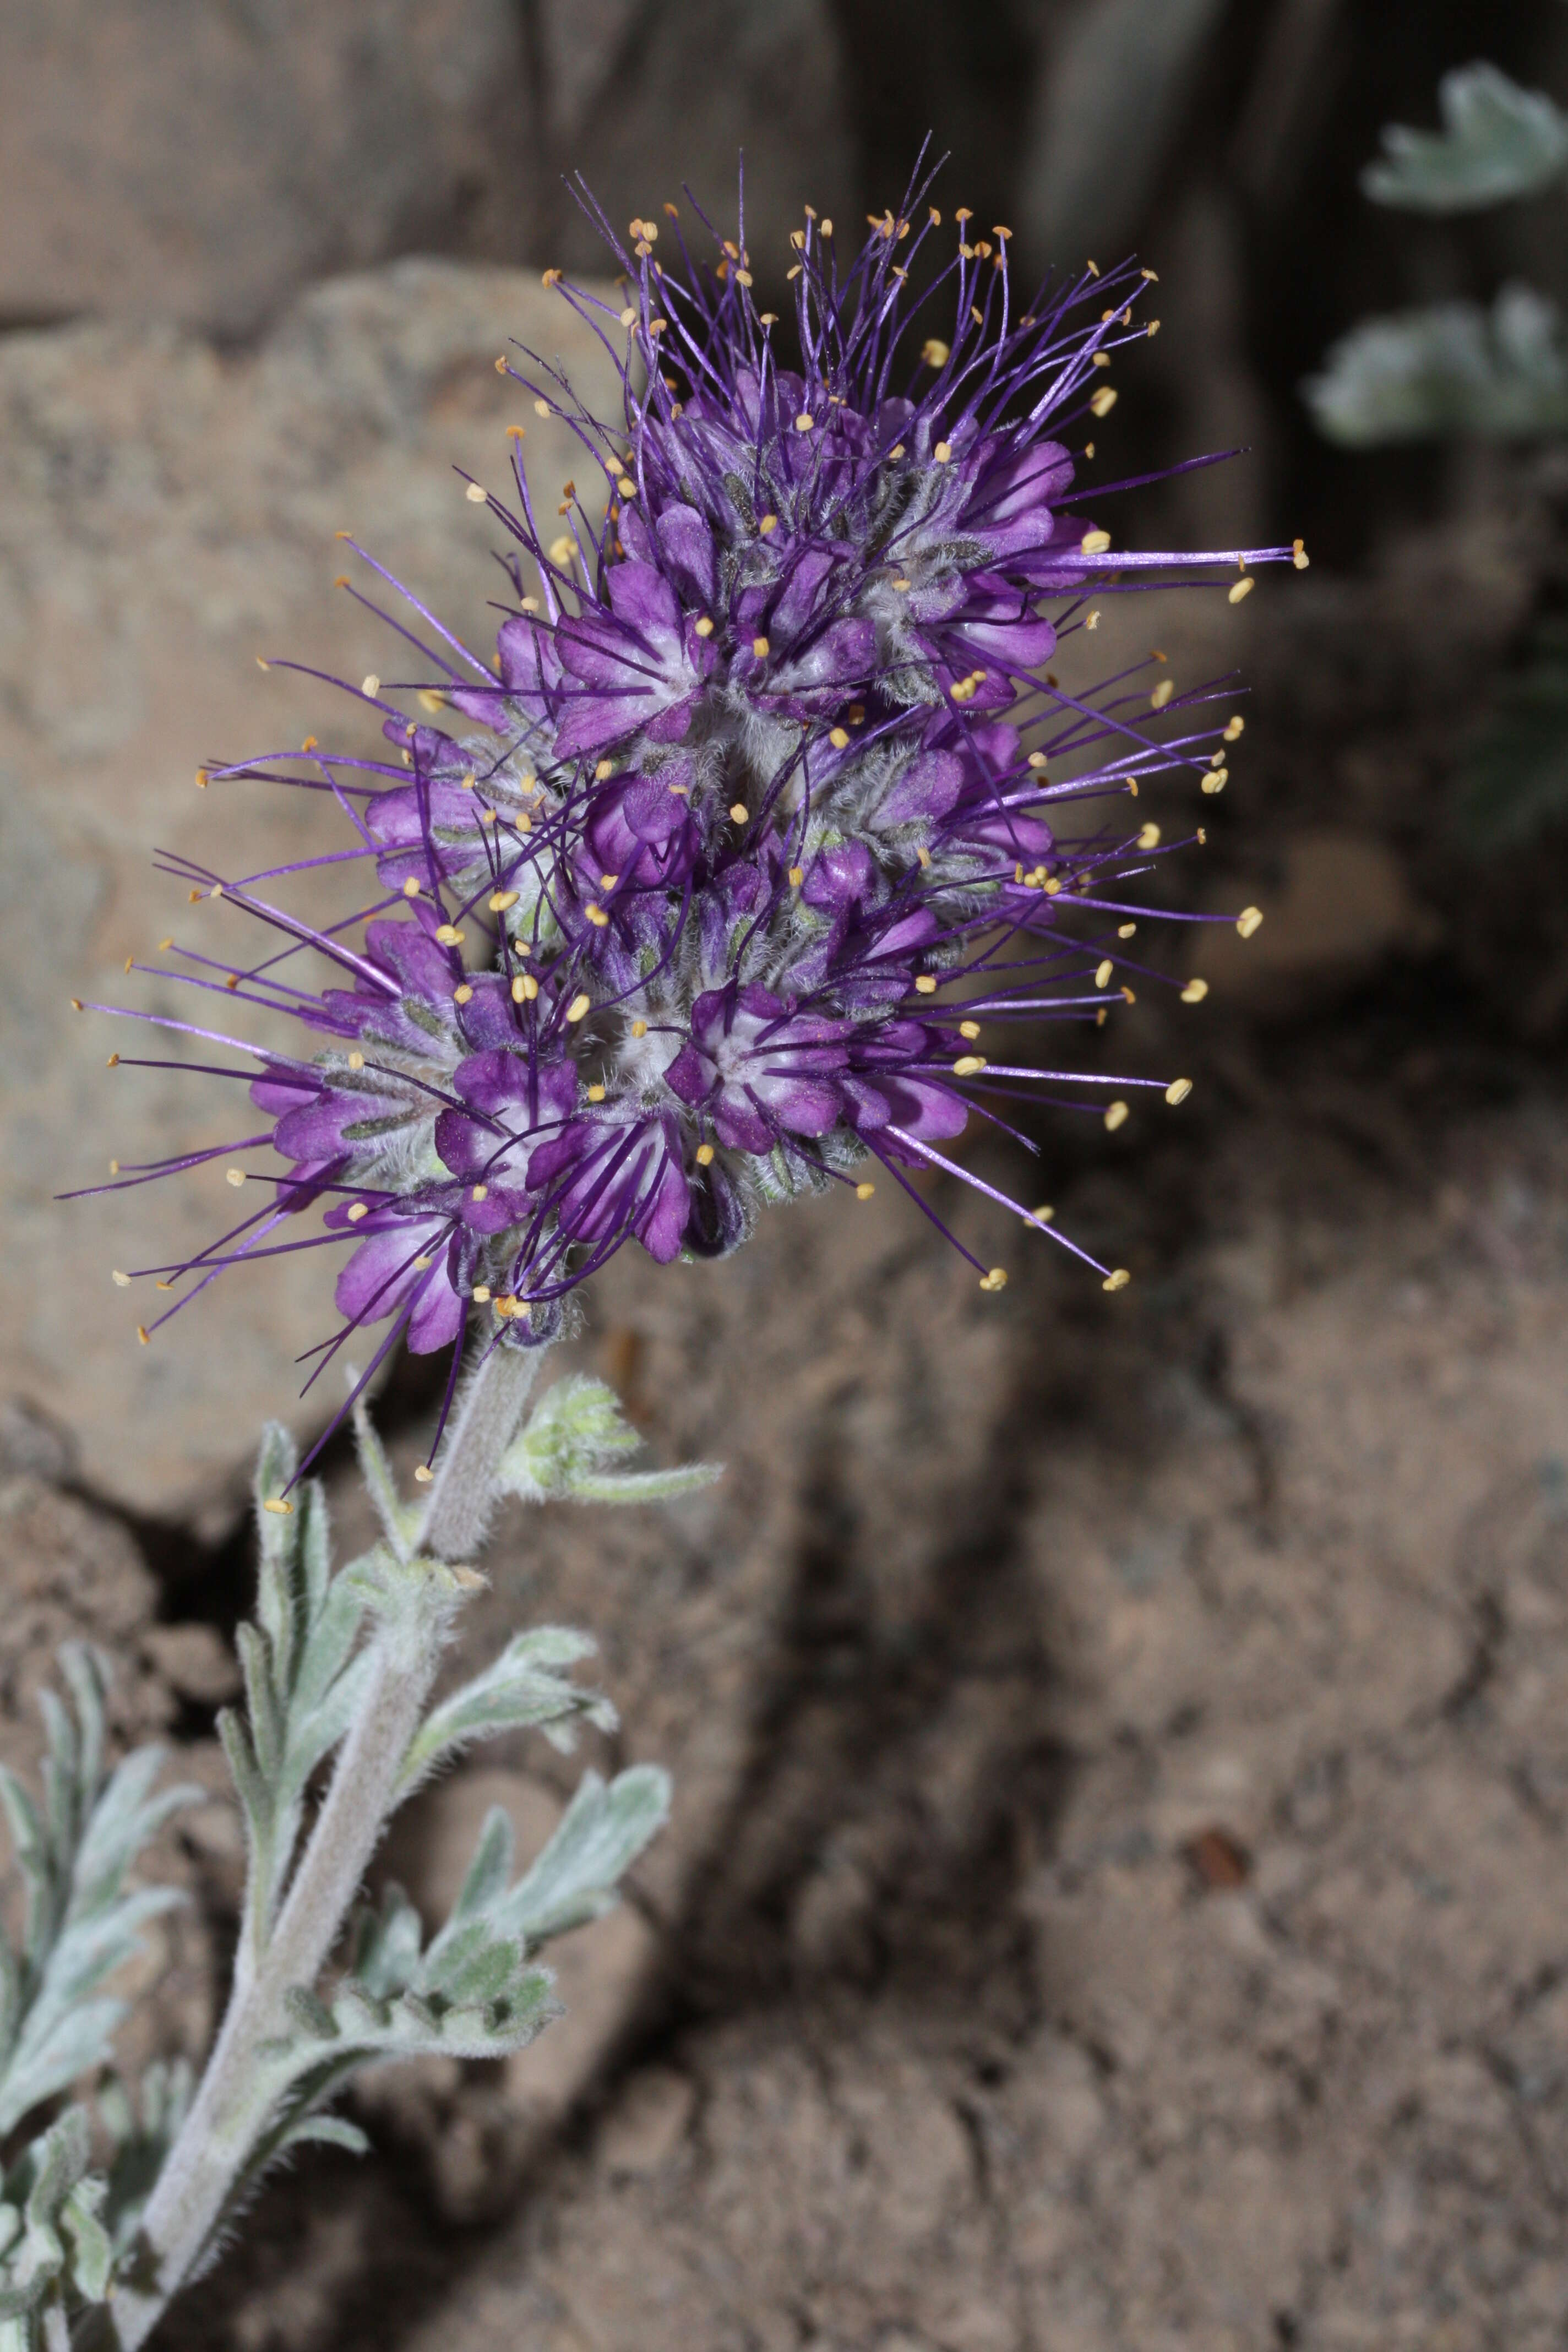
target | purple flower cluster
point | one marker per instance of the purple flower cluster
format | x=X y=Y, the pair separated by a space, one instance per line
x=702 y=893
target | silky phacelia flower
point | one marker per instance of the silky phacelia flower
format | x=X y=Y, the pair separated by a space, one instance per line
x=717 y=884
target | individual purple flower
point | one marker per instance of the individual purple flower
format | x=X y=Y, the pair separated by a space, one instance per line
x=768 y=823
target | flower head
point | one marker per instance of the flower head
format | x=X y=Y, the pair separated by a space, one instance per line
x=704 y=891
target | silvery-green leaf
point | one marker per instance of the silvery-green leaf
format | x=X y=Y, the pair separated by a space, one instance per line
x=645 y=1486
x=328 y=2131
x=399 y=1520
x=488 y=1875
x=600 y=1835
x=1497 y=142
x=1454 y=369
x=523 y=1688
x=82 y=1924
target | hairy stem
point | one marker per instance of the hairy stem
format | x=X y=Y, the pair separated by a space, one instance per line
x=234 y=2103
x=463 y=1496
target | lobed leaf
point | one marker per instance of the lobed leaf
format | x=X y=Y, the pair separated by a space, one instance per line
x=1498 y=141
x=1452 y=368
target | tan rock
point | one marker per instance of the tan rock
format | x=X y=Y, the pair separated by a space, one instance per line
x=204 y=163
x=166 y=516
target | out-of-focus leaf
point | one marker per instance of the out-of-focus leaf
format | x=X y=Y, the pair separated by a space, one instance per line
x=1497 y=142
x=1454 y=369
x=1514 y=783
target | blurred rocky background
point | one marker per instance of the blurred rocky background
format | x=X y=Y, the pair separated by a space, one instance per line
x=1114 y=1899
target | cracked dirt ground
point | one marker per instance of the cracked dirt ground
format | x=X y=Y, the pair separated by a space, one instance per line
x=1117 y=1901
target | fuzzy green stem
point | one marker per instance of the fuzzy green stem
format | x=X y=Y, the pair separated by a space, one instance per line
x=233 y=2106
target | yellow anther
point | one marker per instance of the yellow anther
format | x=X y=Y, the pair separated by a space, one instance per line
x=1216 y=779
x=276 y=1504
x=804 y=421
x=796 y=876
x=121 y=1281
x=864 y=1191
x=1162 y=694
x=234 y=1175
x=770 y=522
x=359 y=1211
x=145 y=1336
x=1044 y=1213
x=704 y=626
x=1149 y=836
x=838 y=736
x=969 y=1029
x=462 y=995
x=1247 y=922
x=1299 y=555
x=1178 y=1090
x=995 y=1280
x=704 y=1155
x=1036 y=759
x=934 y=352
x=1103 y=973
x=423 y=1264
x=476 y=495
x=501 y=899
x=923 y=855
x=739 y=813
x=926 y=984
x=1103 y=401
x=595 y=1093
x=1233 y=726
x=1118 y=1280
x=596 y=916
x=639 y=1028
x=1195 y=991
x=481 y=1294
x=580 y=1006
x=1125 y=931
x=1095 y=542
x=1242 y=588
x=448 y=935
x=943 y=452
x=967 y=1064
x=760 y=647
x=626 y=486
x=370 y=684
x=562 y=551
x=423 y=1475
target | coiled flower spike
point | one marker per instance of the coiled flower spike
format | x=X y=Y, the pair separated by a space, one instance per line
x=697 y=897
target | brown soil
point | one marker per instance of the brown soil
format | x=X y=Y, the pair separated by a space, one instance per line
x=1120 y=1899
